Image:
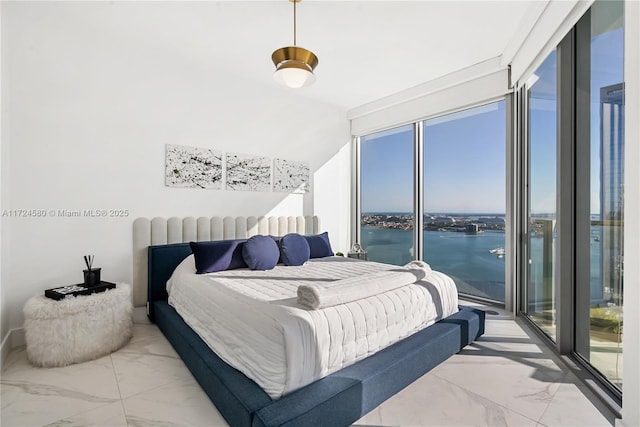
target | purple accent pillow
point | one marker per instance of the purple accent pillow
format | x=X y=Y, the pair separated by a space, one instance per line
x=319 y=245
x=218 y=255
x=294 y=249
x=261 y=252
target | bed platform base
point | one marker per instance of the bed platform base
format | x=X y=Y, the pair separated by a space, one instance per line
x=338 y=399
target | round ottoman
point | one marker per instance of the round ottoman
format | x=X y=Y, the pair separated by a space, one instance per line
x=77 y=329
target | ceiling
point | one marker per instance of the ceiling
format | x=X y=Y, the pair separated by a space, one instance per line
x=367 y=49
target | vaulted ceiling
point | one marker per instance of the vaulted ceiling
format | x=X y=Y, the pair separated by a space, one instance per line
x=367 y=49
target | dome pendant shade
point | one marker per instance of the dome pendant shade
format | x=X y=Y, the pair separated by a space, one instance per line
x=294 y=66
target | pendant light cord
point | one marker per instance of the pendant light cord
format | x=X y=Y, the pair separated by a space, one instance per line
x=294 y=22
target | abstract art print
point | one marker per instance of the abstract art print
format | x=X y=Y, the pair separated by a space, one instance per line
x=290 y=176
x=248 y=173
x=193 y=167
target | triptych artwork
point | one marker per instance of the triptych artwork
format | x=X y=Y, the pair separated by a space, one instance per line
x=196 y=167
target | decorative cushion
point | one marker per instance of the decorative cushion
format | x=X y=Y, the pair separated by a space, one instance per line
x=294 y=249
x=261 y=252
x=277 y=240
x=319 y=245
x=218 y=255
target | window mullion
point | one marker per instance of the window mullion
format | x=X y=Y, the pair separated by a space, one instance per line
x=355 y=197
x=565 y=196
x=418 y=205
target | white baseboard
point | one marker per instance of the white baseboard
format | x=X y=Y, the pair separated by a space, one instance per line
x=14 y=338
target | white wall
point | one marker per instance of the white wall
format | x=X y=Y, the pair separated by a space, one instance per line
x=332 y=196
x=4 y=314
x=631 y=339
x=89 y=102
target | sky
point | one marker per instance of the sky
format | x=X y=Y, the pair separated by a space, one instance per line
x=606 y=69
x=464 y=165
x=542 y=133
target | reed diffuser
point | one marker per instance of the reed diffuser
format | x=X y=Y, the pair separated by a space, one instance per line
x=91 y=275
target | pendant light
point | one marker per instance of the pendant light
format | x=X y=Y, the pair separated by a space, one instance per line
x=294 y=64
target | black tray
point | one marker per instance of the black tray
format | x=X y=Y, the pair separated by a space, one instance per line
x=79 y=289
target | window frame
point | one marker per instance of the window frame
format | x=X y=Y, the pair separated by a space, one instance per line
x=418 y=194
x=573 y=198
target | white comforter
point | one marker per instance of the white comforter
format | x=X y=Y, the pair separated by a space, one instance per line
x=252 y=320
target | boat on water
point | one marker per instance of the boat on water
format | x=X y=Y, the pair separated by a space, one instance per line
x=499 y=252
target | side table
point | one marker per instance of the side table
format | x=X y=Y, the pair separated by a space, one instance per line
x=77 y=329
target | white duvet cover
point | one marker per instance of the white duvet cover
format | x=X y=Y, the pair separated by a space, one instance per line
x=252 y=320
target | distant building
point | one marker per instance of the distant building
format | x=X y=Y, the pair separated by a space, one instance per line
x=497 y=220
x=445 y=219
x=611 y=193
x=471 y=229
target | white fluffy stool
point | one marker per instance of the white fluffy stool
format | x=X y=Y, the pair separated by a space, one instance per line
x=77 y=329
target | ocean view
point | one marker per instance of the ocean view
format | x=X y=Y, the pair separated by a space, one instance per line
x=464 y=257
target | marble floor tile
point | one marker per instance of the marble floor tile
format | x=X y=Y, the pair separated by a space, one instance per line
x=521 y=384
x=40 y=396
x=182 y=403
x=519 y=349
x=571 y=407
x=111 y=415
x=148 y=339
x=16 y=360
x=506 y=378
x=504 y=326
x=432 y=401
x=137 y=373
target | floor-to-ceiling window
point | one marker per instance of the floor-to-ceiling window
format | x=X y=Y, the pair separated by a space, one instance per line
x=599 y=296
x=573 y=194
x=461 y=158
x=386 y=189
x=541 y=195
x=464 y=198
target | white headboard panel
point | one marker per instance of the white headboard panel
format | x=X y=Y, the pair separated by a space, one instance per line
x=161 y=231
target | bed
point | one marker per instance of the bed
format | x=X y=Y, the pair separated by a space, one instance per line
x=339 y=398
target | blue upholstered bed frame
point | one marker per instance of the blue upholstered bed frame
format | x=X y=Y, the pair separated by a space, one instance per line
x=336 y=400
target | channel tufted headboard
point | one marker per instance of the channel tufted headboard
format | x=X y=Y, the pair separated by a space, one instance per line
x=162 y=231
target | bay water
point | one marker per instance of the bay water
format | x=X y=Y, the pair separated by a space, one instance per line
x=464 y=257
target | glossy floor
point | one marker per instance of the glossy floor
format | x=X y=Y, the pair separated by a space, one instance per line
x=506 y=378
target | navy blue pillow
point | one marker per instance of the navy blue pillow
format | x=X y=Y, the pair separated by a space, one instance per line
x=218 y=255
x=294 y=249
x=277 y=240
x=319 y=245
x=261 y=252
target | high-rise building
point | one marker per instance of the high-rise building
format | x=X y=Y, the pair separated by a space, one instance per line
x=612 y=190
